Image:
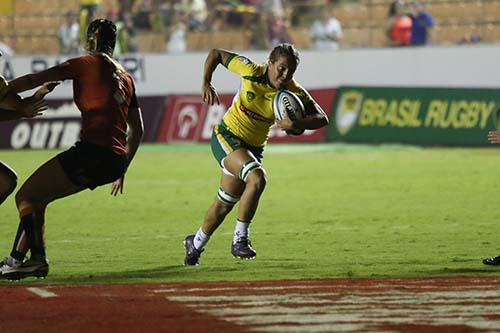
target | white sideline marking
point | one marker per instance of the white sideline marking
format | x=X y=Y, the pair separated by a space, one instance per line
x=347 y=311
x=175 y=290
x=43 y=293
x=289 y=298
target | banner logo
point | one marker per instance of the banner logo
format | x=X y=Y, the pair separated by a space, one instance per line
x=188 y=118
x=348 y=110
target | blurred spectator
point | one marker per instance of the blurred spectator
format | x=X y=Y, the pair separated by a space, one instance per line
x=127 y=6
x=399 y=24
x=471 y=38
x=142 y=18
x=6 y=50
x=278 y=31
x=177 y=40
x=326 y=32
x=422 y=24
x=88 y=11
x=258 y=31
x=164 y=11
x=91 y=6
x=159 y=11
x=395 y=7
x=217 y=18
x=126 y=34
x=197 y=13
x=69 y=35
x=274 y=7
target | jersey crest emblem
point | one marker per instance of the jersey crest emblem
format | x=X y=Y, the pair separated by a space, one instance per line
x=250 y=96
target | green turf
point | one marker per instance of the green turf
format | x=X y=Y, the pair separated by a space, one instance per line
x=328 y=211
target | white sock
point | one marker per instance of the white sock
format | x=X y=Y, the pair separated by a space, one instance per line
x=242 y=230
x=200 y=239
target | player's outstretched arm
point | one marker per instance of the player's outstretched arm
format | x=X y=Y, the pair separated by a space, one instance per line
x=31 y=81
x=34 y=106
x=214 y=58
x=494 y=137
x=12 y=106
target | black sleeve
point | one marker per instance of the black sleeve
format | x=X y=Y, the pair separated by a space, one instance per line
x=310 y=108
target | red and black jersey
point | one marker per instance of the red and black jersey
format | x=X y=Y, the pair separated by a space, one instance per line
x=104 y=115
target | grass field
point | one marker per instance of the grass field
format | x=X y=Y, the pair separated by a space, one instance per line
x=328 y=211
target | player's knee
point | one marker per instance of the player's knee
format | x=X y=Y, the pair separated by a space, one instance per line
x=23 y=198
x=257 y=179
x=20 y=198
x=247 y=169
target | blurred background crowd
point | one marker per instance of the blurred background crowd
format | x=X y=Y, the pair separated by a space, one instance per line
x=166 y=26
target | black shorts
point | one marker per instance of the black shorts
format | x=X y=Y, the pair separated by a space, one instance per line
x=90 y=165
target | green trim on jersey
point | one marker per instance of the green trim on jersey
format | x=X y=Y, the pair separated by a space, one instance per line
x=263 y=79
x=228 y=60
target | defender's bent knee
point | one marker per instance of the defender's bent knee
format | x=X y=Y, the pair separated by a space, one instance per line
x=23 y=199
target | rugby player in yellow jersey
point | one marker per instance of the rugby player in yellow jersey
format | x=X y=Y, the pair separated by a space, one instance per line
x=12 y=106
x=238 y=141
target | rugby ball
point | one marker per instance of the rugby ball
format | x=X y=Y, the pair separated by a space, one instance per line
x=286 y=102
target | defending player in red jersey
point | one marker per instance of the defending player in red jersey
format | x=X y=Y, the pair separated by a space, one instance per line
x=105 y=95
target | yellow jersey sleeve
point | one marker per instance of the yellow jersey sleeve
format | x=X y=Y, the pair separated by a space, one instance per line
x=4 y=87
x=241 y=65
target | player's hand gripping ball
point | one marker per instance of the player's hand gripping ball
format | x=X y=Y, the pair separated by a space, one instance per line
x=287 y=103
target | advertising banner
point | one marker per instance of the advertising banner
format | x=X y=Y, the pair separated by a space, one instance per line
x=188 y=119
x=414 y=115
x=59 y=127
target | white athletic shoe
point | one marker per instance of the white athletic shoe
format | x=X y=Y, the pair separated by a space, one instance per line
x=38 y=267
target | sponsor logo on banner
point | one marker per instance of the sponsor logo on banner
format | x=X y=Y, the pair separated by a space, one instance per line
x=348 y=110
x=41 y=134
x=460 y=116
x=188 y=119
x=56 y=128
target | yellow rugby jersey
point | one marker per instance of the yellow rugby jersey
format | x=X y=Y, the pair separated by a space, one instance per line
x=4 y=86
x=251 y=114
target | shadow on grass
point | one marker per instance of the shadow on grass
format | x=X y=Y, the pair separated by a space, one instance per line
x=215 y=271
x=172 y=273
x=445 y=271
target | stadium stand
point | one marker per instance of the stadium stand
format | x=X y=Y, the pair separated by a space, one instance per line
x=32 y=25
